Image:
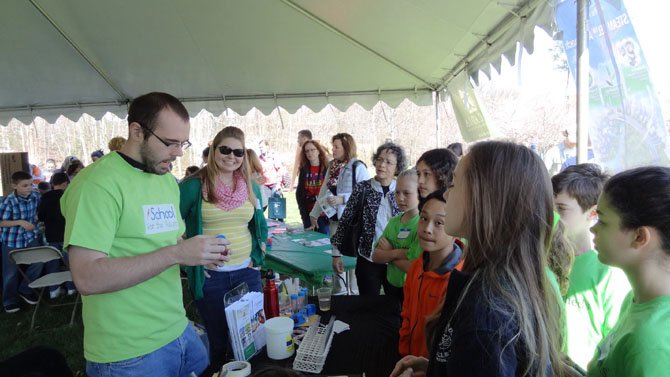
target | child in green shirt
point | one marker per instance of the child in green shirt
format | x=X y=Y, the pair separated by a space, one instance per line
x=596 y=291
x=393 y=246
x=633 y=233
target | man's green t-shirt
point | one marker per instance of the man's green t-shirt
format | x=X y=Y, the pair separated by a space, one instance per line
x=401 y=236
x=121 y=211
x=639 y=345
x=592 y=304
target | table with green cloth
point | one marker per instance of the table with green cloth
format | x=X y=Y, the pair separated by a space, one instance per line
x=310 y=263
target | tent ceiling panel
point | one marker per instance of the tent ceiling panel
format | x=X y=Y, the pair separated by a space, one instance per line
x=38 y=67
x=77 y=56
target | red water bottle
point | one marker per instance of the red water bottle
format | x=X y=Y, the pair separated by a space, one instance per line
x=270 y=297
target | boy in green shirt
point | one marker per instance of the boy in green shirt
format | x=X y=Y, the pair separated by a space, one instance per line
x=596 y=291
x=394 y=246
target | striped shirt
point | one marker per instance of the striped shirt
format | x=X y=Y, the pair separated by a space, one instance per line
x=233 y=224
x=16 y=207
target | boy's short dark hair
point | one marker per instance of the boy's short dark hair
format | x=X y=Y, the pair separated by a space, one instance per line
x=305 y=133
x=97 y=153
x=583 y=182
x=59 y=179
x=44 y=186
x=19 y=176
x=438 y=195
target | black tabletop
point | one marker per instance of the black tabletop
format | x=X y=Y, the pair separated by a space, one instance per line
x=371 y=344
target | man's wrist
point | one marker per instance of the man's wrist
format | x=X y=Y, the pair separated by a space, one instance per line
x=337 y=256
x=172 y=253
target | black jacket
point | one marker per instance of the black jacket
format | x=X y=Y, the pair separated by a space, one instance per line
x=474 y=340
x=49 y=213
x=370 y=199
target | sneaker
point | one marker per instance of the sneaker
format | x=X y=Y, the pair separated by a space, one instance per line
x=71 y=292
x=12 y=308
x=56 y=293
x=30 y=298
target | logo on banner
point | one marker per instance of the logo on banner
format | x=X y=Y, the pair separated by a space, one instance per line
x=626 y=122
x=160 y=218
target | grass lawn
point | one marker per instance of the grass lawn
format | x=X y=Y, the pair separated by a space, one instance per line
x=52 y=323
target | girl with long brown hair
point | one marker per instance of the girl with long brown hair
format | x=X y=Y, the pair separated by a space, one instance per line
x=500 y=316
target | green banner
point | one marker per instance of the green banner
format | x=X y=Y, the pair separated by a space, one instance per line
x=469 y=115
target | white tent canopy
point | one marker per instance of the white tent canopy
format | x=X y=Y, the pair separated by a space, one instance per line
x=92 y=56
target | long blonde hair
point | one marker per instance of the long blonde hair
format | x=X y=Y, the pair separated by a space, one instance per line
x=510 y=219
x=209 y=174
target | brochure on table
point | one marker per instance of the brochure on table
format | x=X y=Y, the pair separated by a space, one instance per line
x=246 y=321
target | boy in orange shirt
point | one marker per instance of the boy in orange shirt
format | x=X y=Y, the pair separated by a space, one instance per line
x=428 y=276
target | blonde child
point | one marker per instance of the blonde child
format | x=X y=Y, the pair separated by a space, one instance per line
x=393 y=247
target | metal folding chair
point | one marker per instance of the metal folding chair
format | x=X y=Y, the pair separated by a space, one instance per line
x=42 y=254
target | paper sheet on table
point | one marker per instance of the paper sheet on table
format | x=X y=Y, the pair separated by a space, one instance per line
x=340 y=326
x=329 y=210
x=313 y=243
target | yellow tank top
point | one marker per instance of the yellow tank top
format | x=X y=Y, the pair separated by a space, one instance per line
x=232 y=224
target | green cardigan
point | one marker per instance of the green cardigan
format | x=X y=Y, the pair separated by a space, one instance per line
x=190 y=205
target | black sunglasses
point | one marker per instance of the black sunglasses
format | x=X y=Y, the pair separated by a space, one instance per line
x=224 y=150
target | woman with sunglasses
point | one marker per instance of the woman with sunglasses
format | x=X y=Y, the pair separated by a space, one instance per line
x=221 y=199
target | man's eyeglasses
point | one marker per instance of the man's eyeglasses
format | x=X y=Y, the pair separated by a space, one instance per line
x=170 y=144
x=224 y=150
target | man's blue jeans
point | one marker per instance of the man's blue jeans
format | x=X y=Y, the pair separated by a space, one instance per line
x=179 y=358
x=11 y=276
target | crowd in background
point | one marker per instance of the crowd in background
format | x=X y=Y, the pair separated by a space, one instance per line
x=490 y=257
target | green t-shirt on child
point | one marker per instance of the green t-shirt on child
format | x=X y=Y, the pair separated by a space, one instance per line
x=592 y=304
x=639 y=344
x=401 y=236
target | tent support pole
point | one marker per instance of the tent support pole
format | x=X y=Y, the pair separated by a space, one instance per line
x=436 y=101
x=582 y=82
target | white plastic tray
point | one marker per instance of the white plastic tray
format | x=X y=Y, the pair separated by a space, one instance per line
x=313 y=350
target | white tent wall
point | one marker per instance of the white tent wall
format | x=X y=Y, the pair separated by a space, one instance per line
x=91 y=56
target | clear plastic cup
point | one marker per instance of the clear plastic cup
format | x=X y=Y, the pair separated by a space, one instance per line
x=324 y=294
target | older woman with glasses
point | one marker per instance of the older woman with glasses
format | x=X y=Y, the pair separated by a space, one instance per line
x=376 y=197
x=221 y=199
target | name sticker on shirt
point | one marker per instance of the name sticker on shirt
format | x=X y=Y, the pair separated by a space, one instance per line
x=160 y=218
x=404 y=233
